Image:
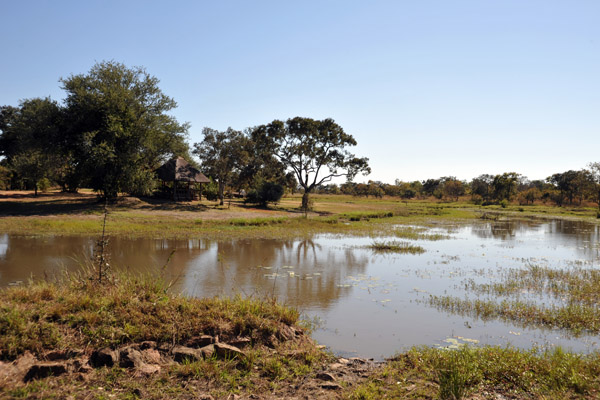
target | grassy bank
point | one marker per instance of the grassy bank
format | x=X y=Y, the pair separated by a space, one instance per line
x=82 y=215
x=69 y=323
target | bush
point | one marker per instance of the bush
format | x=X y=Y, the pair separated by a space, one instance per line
x=503 y=203
x=210 y=191
x=267 y=192
x=44 y=185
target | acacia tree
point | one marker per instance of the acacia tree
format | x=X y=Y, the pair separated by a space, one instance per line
x=222 y=154
x=314 y=150
x=119 y=127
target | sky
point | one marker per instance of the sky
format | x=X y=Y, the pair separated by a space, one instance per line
x=428 y=88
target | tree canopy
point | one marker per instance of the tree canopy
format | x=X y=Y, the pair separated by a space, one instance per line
x=119 y=129
x=314 y=150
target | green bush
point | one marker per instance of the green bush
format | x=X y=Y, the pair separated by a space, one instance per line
x=210 y=191
x=503 y=203
x=44 y=184
x=267 y=192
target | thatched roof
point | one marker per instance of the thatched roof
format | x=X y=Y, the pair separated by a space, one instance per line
x=180 y=170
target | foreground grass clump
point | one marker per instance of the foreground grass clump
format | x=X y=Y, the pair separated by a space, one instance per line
x=81 y=313
x=396 y=247
x=493 y=371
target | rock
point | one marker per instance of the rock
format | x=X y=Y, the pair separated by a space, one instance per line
x=343 y=361
x=336 y=366
x=324 y=376
x=200 y=341
x=286 y=332
x=104 y=358
x=148 y=344
x=331 y=386
x=151 y=356
x=147 y=370
x=228 y=352
x=43 y=370
x=208 y=351
x=130 y=358
x=182 y=354
x=204 y=396
x=81 y=365
x=240 y=342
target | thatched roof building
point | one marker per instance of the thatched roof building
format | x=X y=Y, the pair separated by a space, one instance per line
x=179 y=170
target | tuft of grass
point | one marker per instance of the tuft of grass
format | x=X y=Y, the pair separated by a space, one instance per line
x=396 y=247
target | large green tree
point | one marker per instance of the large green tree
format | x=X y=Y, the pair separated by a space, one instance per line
x=28 y=140
x=223 y=156
x=316 y=151
x=120 y=129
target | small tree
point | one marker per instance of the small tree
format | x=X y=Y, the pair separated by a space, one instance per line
x=223 y=154
x=314 y=150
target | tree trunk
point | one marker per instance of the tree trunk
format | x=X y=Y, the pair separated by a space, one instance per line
x=305 y=201
x=221 y=190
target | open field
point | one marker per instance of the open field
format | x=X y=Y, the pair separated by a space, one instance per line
x=81 y=214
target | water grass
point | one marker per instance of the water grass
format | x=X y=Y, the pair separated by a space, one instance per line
x=396 y=247
x=567 y=298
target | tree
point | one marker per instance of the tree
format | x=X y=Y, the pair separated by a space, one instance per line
x=595 y=174
x=223 y=154
x=482 y=186
x=314 y=150
x=120 y=131
x=504 y=186
x=453 y=188
x=28 y=140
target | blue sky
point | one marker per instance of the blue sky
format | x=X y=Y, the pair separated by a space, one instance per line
x=428 y=88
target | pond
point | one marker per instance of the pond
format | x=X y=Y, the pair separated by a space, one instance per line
x=362 y=302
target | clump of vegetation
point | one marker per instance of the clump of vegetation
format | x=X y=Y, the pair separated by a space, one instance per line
x=396 y=247
x=497 y=372
x=82 y=313
x=575 y=293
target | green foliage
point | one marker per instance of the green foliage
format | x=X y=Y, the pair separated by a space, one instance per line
x=314 y=150
x=223 y=155
x=210 y=191
x=267 y=192
x=119 y=127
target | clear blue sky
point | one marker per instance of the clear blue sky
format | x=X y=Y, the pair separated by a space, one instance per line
x=428 y=88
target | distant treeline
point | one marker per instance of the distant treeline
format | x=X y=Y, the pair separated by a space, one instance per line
x=570 y=187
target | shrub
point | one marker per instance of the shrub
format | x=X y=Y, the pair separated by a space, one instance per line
x=267 y=192
x=503 y=203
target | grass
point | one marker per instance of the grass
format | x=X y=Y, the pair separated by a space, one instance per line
x=80 y=314
x=566 y=299
x=396 y=247
x=493 y=372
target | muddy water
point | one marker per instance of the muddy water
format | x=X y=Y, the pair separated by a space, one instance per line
x=365 y=303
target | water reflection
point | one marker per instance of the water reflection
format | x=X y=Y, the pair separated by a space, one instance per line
x=368 y=301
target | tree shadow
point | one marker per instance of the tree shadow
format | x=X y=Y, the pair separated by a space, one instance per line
x=48 y=205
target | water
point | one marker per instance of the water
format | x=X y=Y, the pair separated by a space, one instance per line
x=365 y=303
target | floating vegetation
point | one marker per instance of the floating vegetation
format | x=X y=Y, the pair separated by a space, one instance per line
x=417 y=233
x=567 y=285
x=396 y=247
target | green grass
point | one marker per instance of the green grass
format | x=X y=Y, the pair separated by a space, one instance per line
x=572 y=299
x=396 y=247
x=507 y=372
x=128 y=309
